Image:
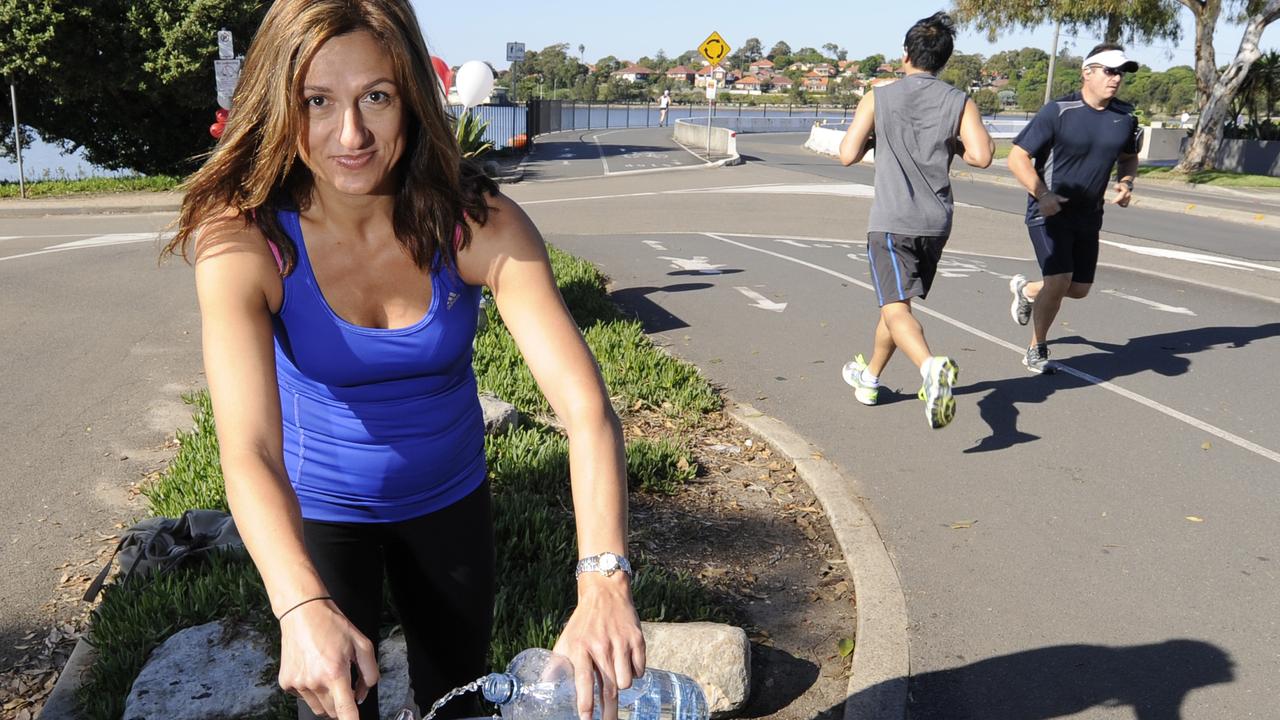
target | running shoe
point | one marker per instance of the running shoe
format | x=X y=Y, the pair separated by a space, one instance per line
x=1021 y=307
x=941 y=373
x=1037 y=359
x=862 y=392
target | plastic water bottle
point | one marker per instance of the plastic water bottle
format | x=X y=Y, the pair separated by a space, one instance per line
x=538 y=685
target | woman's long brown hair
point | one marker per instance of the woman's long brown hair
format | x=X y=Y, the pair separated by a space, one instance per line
x=255 y=169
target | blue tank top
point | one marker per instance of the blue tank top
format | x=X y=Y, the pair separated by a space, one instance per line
x=379 y=425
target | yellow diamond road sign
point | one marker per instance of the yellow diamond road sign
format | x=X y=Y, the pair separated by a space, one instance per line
x=714 y=48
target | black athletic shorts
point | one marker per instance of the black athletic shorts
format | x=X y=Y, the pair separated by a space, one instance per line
x=1067 y=244
x=902 y=266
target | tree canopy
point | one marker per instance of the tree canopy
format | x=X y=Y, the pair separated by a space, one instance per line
x=129 y=81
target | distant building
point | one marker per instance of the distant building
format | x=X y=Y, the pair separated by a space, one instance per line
x=635 y=73
x=816 y=82
x=761 y=65
x=681 y=74
x=781 y=83
x=746 y=85
x=711 y=71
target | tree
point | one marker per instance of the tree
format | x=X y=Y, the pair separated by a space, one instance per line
x=750 y=52
x=128 y=81
x=962 y=71
x=1114 y=20
x=988 y=101
x=1152 y=19
x=870 y=64
x=1207 y=137
x=835 y=52
x=779 y=48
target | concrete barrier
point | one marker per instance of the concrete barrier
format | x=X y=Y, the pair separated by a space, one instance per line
x=826 y=141
x=1161 y=144
x=693 y=132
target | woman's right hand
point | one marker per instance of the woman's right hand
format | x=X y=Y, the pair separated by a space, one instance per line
x=318 y=646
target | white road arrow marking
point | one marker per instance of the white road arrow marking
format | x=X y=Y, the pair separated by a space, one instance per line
x=1152 y=303
x=697 y=264
x=761 y=301
x=656 y=245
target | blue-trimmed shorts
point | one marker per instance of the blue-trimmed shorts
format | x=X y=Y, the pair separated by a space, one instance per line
x=902 y=266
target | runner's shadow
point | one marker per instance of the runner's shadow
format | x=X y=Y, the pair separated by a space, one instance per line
x=1163 y=353
x=636 y=301
x=1062 y=681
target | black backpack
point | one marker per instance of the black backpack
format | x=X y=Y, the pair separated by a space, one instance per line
x=161 y=543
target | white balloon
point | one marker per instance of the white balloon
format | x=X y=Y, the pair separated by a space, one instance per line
x=474 y=81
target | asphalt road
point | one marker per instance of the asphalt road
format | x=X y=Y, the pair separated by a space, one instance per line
x=1093 y=544
x=99 y=344
x=785 y=150
x=1096 y=544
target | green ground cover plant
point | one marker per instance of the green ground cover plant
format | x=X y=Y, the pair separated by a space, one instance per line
x=529 y=469
x=52 y=186
x=1220 y=178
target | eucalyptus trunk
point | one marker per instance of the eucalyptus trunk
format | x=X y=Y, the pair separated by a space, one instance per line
x=1206 y=13
x=1207 y=137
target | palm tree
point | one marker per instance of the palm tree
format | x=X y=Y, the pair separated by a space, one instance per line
x=582 y=49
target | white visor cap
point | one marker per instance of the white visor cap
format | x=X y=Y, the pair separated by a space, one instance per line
x=1112 y=59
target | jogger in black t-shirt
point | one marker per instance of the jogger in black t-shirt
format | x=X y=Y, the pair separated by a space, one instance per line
x=1064 y=158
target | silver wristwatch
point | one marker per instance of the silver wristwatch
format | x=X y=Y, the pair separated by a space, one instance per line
x=606 y=563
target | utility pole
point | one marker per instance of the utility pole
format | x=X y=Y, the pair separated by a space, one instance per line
x=1053 y=60
x=17 y=140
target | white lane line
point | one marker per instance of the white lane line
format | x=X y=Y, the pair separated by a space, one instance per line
x=656 y=245
x=1201 y=258
x=761 y=301
x=94 y=242
x=788 y=241
x=1201 y=425
x=1151 y=303
x=840 y=189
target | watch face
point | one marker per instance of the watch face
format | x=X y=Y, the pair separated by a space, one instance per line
x=608 y=562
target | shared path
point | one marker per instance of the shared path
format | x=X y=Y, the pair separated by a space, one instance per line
x=1094 y=544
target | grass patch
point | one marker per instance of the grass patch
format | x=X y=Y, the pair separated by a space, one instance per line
x=53 y=186
x=533 y=519
x=1220 y=178
x=1002 y=149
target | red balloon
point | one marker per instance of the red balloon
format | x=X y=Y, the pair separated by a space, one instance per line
x=221 y=114
x=443 y=71
x=216 y=130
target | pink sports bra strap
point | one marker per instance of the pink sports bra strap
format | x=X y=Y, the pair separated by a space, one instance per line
x=275 y=251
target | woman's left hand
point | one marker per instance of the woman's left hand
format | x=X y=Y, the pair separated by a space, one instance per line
x=603 y=639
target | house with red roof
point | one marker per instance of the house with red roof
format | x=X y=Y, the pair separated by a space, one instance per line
x=816 y=82
x=635 y=73
x=681 y=74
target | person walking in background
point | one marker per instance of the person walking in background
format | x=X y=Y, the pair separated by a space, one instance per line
x=917 y=124
x=341 y=246
x=1064 y=158
x=664 y=104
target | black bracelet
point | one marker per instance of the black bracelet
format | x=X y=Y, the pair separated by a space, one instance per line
x=304 y=602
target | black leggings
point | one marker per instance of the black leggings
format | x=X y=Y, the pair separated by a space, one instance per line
x=440 y=568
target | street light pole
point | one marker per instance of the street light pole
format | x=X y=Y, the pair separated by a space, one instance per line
x=17 y=140
x=1053 y=59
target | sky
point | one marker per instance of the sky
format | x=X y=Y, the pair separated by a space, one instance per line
x=459 y=33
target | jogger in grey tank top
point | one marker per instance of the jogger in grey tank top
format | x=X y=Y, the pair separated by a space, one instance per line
x=916 y=125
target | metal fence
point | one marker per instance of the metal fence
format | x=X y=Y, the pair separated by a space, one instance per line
x=538 y=117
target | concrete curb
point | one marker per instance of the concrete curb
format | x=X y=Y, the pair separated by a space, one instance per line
x=1242 y=217
x=61 y=703
x=881 y=656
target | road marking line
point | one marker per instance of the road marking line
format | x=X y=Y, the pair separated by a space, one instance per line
x=1151 y=303
x=655 y=245
x=1201 y=258
x=788 y=241
x=1201 y=425
x=94 y=242
x=698 y=264
x=761 y=301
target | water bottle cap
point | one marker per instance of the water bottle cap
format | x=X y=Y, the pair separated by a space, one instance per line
x=499 y=688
